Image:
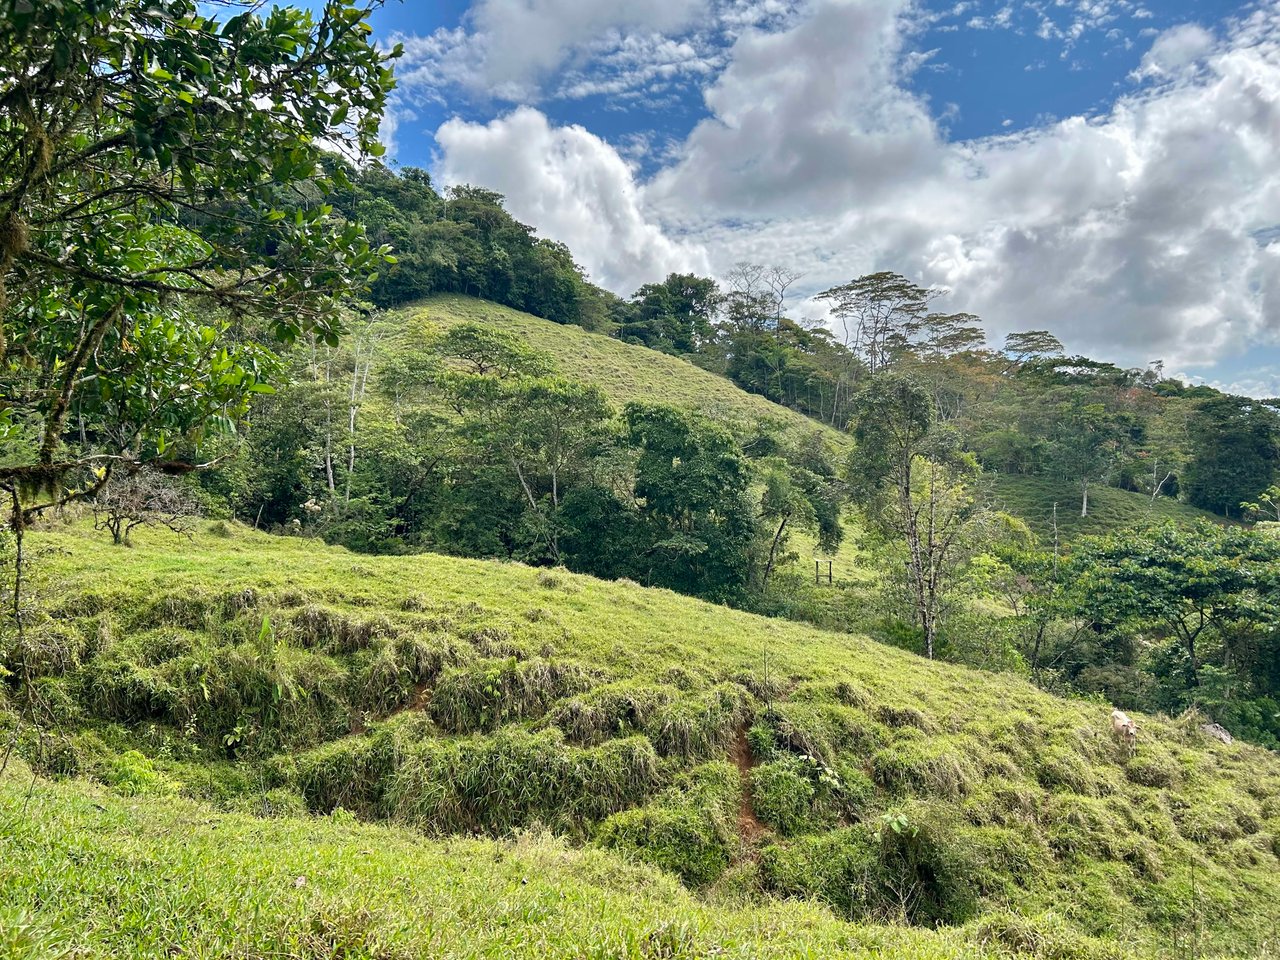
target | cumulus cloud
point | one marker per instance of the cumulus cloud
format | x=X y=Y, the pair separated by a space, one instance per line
x=1175 y=50
x=1135 y=234
x=574 y=187
x=508 y=49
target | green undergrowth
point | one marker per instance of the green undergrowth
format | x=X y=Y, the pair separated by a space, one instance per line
x=282 y=678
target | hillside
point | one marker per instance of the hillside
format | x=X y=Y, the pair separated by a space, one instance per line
x=628 y=372
x=1032 y=499
x=624 y=371
x=752 y=758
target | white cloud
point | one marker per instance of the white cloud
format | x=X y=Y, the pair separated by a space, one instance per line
x=1132 y=234
x=509 y=49
x=798 y=112
x=574 y=187
x=1174 y=50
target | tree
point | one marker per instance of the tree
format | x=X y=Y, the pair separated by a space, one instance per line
x=1032 y=344
x=548 y=429
x=1233 y=442
x=150 y=246
x=795 y=497
x=479 y=349
x=1190 y=583
x=141 y=498
x=676 y=314
x=917 y=487
x=877 y=311
x=1266 y=506
x=690 y=486
x=1084 y=438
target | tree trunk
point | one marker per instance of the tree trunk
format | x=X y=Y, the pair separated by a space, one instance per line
x=1084 y=498
x=773 y=551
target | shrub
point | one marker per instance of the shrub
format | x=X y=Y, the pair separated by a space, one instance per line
x=1044 y=937
x=698 y=727
x=689 y=829
x=797 y=795
x=610 y=710
x=893 y=716
x=514 y=778
x=332 y=630
x=909 y=868
x=489 y=693
x=386 y=676
x=133 y=774
x=348 y=773
x=926 y=767
x=1152 y=769
x=1062 y=768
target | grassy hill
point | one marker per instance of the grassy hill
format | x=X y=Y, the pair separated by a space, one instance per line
x=755 y=760
x=1033 y=499
x=628 y=372
x=623 y=371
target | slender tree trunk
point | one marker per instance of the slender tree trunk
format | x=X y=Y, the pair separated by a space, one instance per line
x=328 y=435
x=1084 y=498
x=773 y=551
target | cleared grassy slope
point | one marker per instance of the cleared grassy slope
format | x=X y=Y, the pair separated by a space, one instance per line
x=624 y=371
x=1032 y=499
x=457 y=696
x=85 y=872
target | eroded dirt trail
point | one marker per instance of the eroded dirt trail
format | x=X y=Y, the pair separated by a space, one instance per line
x=749 y=826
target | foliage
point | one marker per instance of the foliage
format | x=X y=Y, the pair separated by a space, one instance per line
x=919 y=489
x=152 y=250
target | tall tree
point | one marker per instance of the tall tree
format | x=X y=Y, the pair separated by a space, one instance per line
x=1234 y=455
x=916 y=486
x=691 y=481
x=145 y=209
x=877 y=311
x=1085 y=439
x=676 y=314
x=1190 y=583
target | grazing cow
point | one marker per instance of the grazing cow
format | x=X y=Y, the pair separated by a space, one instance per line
x=1124 y=729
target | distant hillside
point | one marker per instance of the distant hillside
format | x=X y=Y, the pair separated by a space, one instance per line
x=624 y=371
x=1033 y=499
x=754 y=759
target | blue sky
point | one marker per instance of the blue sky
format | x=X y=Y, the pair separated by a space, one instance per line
x=1106 y=168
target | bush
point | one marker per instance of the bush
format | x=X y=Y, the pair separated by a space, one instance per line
x=1152 y=769
x=1044 y=937
x=133 y=774
x=610 y=710
x=698 y=727
x=925 y=767
x=797 y=795
x=689 y=829
x=490 y=693
x=1062 y=768
x=497 y=784
x=909 y=868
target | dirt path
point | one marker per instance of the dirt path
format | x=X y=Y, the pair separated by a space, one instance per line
x=749 y=826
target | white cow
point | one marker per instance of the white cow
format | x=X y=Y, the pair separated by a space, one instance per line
x=1124 y=729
